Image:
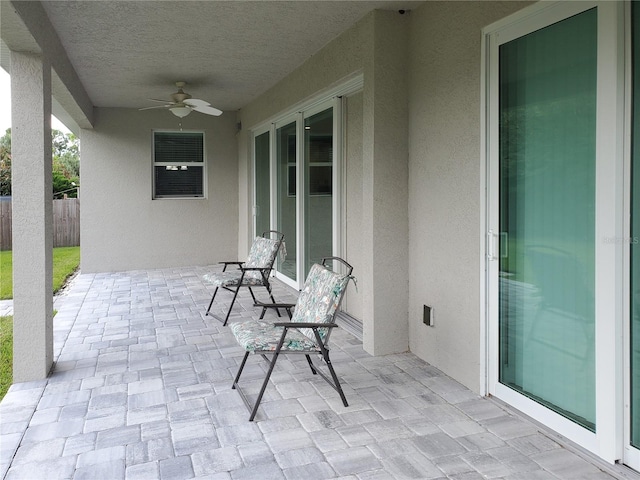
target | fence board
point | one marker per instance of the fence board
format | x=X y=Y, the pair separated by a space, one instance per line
x=66 y=223
x=5 y=223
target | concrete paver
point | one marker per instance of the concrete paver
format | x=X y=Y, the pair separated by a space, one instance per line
x=6 y=308
x=141 y=389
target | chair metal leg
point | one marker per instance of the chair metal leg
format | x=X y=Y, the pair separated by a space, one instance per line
x=313 y=367
x=211 y=302
x=274 y=301
x=235 y=380
x=325 y=356
x=235 y=294
x=264 y=385
x=336 y=382
x=252 y=295
x=276 y=353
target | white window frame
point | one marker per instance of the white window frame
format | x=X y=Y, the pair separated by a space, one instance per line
x=155 y=164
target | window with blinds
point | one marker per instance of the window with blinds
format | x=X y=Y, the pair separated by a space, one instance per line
x=178 y=165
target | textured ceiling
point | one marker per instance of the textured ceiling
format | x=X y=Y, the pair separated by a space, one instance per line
x=228 y=52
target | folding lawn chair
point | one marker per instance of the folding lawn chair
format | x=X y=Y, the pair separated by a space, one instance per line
x=307 y=331
x=254 y=272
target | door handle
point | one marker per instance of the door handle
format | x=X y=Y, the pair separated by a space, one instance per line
x=491 y=245
x=504 y=244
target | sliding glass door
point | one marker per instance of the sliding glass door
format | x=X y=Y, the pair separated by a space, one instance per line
x=547 y=216
x=262 y=183
x=295 y=178
x=555 y=221
x=318 y=182
x=286 y=196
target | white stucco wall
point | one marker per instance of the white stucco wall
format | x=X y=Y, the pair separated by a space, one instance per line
x=441 y=189
x=445 y=231
x=375 y=47
x=122 y=228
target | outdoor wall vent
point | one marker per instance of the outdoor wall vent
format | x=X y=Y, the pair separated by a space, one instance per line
x=427 y=315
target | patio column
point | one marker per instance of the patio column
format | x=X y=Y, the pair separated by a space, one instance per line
x=385 y=188
x=32 y=203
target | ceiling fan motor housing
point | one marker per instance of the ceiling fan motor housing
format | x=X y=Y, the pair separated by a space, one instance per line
x=180 y=96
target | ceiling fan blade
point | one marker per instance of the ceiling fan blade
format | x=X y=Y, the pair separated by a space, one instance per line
x=196 y=102
x=158 y=100
x=208 y=110
x=159 y=106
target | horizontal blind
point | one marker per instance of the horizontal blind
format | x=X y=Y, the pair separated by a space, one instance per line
x=178 y=181
x=179 y=147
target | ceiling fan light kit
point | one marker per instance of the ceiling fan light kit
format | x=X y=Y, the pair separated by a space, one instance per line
x=182 y=104
x=180 y=111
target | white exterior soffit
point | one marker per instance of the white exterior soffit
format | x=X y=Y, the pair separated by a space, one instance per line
x=228 y=52
x=24 y=27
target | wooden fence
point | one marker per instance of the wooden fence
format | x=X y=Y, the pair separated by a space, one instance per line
x=66 y=223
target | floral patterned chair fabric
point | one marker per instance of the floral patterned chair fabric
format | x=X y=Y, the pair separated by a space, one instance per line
x=307 y=331
x=262 y=255
x=317 y=303
x=261 y=336
x=254 y=272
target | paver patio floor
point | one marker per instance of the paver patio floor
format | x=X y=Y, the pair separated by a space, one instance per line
x=141 y=389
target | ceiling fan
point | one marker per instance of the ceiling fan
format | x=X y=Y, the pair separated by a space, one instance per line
x=182 y=104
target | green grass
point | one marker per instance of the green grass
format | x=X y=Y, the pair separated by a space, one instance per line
x=6 y=354
x=65 y=262
x=6 y=275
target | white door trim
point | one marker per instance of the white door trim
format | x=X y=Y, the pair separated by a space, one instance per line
x=607 y=442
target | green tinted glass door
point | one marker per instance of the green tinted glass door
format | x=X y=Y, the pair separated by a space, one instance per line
x=547 y=126
x=262 y=184
x=286 y=150
x=318 y=168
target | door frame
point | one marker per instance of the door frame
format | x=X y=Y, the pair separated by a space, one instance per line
x=631 y=454
x=330 y=98
x=608 y=441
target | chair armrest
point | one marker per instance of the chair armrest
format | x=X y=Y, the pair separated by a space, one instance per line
x=305 y=325
x=274 y=305
x=254 y=269
x=286 y=306
x=232 y=262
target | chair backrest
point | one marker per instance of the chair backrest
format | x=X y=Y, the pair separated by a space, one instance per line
x=320 y=297
x=264 y=250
